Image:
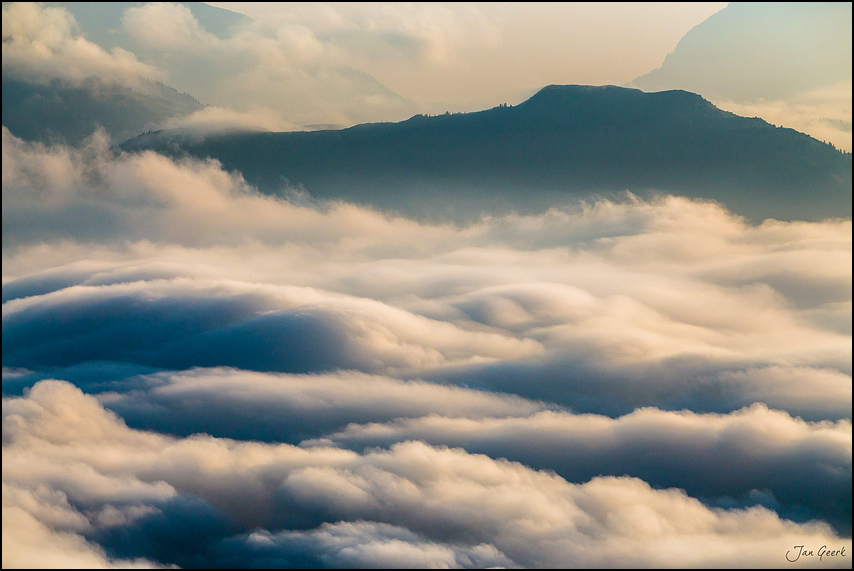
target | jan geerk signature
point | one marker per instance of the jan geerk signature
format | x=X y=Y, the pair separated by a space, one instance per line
x=798 y=551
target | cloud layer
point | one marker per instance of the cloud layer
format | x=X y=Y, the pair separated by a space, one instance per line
x=196 y=374
x=411 y=503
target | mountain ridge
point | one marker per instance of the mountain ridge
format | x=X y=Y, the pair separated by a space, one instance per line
x=564 y=143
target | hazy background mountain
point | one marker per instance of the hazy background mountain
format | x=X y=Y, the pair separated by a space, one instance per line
x=61 y=112
x=787 y=62
x=565 y=143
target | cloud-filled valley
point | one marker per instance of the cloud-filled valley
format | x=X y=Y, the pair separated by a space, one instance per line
x=300 y=382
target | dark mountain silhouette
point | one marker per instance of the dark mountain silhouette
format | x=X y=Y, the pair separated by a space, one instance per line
x=562 y=144
x=60 y=112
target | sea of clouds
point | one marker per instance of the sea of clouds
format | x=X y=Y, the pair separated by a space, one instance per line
x=196 y=374
x=199 y=375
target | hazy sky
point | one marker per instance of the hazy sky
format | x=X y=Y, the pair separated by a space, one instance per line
x=488 y=53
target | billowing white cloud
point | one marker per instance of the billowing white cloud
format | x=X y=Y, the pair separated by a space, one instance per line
x=286 y=407
x=167 y=26
x=30 y=543
x=273 y=69
x=42 y=43
x=491 y=510
x=274 y=328
x=373 y=545
x=765 y=450
x=308 y=62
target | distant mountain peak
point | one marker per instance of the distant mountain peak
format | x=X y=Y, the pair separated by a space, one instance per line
x=565 y=142
x=561 y=93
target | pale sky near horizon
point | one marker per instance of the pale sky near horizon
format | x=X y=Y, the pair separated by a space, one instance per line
x=480 y=54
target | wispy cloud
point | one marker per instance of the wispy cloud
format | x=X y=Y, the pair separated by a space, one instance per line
x=823 y=113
